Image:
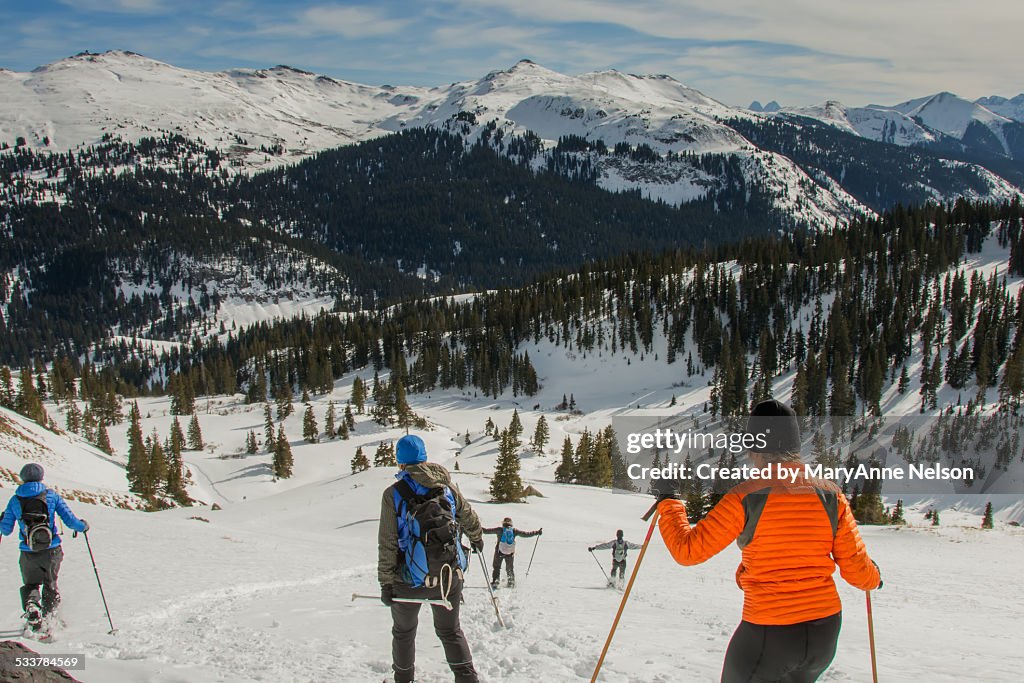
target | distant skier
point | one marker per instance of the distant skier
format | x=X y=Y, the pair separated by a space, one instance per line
x=505 y=551
x=424 y=501
x=792 y=535
x=620 y=548
x=33 y=506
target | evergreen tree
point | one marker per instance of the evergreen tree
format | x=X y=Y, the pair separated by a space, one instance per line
x=987 y=522
x=138 y=454
x=103 y=438
x=268 y=428
x=27 y=401
x=540 y=435
x=251 y=445
x=489 y=427
x=310 y=430
x=6 y=388
x=515 y=426
x=565 y=473
x=506 y=484
x=620 y=473
x=403 y=412
x=358 y=394
x=176 y=439
x=282 y=462
x=330 y=429
x=935 y=518
x=350 y=419
x=195 y=434
x=385 y=455
x=73 y=419
x=156 y=474
x=360 y=462
x=897 y=514
x=343 y=432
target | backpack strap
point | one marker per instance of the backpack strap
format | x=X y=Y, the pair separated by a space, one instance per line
x=405 y=491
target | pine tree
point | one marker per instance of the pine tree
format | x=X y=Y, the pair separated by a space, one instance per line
x=515 y=426
x=73 y=419
x=195 y=434
x=251 y=445
x=385 y=455
x=402 y=410
x=310 y=430
x=935 y=518
x=27 y=401
x=565 y=473
x=6 y=388
x=268 y=428
x=904 y=382
x=620 y=473
x=358 y=394
x=176 y=439
x=343 y=432
x=330 y=429
x=897 y=514
x=175 y=483
x=350 y=419
x=138 y=455
x=467 y=440
x=360 y=462
x=282 y=463
x=987 y=522
x=103 y=439
x=156 y=475
x=506 y=484
x=540 y=435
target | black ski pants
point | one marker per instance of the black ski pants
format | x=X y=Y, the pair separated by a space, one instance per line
x=405 y=619
x=510 y=565
x=797 y=653
x=39 y=571
x=620 y=567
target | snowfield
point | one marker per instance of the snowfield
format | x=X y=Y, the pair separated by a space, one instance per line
x=261 y=589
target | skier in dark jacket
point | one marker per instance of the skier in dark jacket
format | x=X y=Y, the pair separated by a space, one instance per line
x=394 y=575
x=33 y=506
x=505 y=550
x=620 y=548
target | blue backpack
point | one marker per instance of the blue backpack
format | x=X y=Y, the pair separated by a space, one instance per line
x=508 y=535
x=428 y=533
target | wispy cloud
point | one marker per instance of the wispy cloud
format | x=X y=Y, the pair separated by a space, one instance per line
x=796 y=51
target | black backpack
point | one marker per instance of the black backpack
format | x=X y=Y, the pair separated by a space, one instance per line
x=35 y=513
x=430 y=534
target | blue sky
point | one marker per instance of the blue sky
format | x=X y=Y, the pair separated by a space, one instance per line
x=794 y=51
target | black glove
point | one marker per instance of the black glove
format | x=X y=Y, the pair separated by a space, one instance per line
x=879 y=586
x=387 y=595
x=665 y=489
x=85 y=525
x=477 y=545
x=590 y=549
x=540 y=532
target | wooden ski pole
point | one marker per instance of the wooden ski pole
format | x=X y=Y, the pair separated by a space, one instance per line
x=625 y=595
x=871 y=639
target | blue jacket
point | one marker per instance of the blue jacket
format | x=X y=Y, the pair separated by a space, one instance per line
x=53 y=502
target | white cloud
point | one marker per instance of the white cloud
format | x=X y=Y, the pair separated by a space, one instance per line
x=121 y=6
x=349 y=21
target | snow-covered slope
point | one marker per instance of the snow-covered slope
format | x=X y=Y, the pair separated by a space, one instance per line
x=79 y=99
x=1012 y=108
x=75 y=468
x=874 y=123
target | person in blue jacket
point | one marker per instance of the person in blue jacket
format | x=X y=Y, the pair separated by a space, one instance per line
x=33 y=506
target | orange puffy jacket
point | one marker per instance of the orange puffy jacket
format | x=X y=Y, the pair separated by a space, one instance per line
x=792 y=534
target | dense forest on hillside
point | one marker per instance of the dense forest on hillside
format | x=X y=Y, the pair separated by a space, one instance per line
x=845 y=310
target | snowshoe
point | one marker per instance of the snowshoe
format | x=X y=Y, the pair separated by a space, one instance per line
x=511 y=582
x=611 y=584
x=494 y=585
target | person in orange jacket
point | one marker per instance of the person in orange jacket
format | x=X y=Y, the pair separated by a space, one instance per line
x=792 y=535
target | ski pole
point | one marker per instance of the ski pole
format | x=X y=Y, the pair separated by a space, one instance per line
x=416 y=601
x=494 y=600
x=608 y=578
x=98 y=583
x=871 y=639
x=535 y=544
x=625 y=596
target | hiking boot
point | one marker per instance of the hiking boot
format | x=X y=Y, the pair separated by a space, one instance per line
x=511 y=582
x=494 y=584
x=34 y=615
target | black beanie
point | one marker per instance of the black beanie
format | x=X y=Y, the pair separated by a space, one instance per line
x=777 y=424
x=31 y=472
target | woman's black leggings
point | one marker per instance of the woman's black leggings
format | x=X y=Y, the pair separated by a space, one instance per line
x=797 y=653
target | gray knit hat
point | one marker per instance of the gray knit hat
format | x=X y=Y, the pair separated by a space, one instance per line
x=31 y=472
